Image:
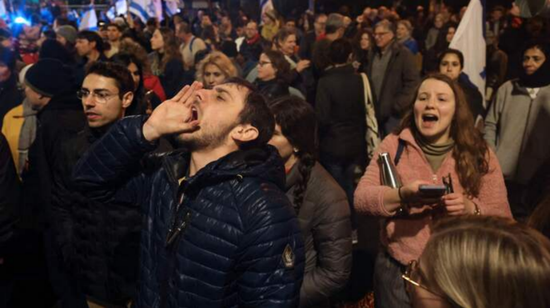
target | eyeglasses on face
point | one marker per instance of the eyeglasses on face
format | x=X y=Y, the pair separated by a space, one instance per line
x=263 y=63
x=413 y=276
x=99 y=97
x=379 y=34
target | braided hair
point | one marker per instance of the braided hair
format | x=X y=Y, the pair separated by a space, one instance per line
x=299 y=125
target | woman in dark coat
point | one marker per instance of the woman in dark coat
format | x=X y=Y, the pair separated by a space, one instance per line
x=321 y=205
x=273 y=75
x=451 y=63
x=166 y=61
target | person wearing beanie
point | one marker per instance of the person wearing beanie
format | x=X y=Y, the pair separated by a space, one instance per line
x=66 y=35
x=46 y=79
x=50 y=91
x=10 y=96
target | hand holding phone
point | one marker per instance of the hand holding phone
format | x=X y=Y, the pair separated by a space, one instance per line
x=432 y=190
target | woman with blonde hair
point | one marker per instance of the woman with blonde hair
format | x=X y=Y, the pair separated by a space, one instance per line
x=481 y=262
x=214 y=69
x=436 y=143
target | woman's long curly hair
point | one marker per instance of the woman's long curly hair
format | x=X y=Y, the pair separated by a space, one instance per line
x=470 y=151
x=299 y=125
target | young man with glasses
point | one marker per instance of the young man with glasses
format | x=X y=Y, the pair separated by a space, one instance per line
x=92 y=248
x=100 y=240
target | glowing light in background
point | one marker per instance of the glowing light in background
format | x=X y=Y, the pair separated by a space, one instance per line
x=21 y=20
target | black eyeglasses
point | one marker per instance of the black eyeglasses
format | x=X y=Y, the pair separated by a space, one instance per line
x=100 y=97
x=263 y=63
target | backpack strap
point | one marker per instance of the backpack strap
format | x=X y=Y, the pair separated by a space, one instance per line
x=191 y=44
x=400 y=148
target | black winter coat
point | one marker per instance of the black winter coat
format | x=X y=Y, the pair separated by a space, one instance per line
x=400 y=81
x=9 y=195
x=340 y=108
x=100 y=241
x=10 y=96
x=237 y=226
x=326 y=226
x=61 y=117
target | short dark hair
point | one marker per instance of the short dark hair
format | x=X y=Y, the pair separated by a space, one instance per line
x=339 y=51
x=539 y=44
x=184 y=28
x=456 y=52
x=119 y=28
x=116 y=71
x=255 y=112
x=91 y=36
x=298 y=122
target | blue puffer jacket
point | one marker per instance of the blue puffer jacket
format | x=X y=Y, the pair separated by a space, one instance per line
x=240 y=244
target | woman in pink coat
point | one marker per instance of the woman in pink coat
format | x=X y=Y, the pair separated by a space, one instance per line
x=436 y=139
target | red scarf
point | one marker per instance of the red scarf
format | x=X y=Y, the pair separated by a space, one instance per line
x=254 y=39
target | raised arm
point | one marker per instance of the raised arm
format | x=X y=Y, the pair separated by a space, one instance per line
x=113 y=159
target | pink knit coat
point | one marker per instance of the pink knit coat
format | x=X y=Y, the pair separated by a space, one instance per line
x=405 y=237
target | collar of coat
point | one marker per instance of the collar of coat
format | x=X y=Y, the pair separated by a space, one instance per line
x=264 y=163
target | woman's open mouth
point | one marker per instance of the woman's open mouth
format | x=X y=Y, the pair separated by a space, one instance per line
x=429 y=120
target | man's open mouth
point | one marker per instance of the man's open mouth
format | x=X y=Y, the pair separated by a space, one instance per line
x=194 y=113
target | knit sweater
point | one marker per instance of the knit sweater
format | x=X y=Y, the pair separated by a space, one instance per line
x=405 y=237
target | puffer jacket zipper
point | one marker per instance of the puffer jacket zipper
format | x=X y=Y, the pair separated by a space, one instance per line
x=175 y=232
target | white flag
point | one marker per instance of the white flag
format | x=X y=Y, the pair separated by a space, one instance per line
x=89 y=20
x=145 y=9
x=3 y=11
x=266 y=5
x=470 y=41
x=121 y=7
x=172 y=7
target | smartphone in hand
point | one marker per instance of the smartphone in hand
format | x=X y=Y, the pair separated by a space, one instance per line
x=432 y=190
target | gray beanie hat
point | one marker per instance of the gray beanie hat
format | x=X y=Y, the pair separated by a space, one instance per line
x=68 y=32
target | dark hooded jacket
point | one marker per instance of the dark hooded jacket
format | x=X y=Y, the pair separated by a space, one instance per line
x=225 y=237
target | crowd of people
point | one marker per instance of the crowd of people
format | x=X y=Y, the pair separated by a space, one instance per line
x=214 y=160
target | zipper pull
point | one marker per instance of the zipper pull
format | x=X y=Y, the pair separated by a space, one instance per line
x=173 y=234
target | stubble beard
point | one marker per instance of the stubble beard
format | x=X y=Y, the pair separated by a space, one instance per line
x=207 y=137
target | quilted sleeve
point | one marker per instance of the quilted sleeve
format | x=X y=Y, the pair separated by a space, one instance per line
x=112 y=162
x=271 y=253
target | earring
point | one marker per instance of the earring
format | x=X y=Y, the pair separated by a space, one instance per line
x=296 y=151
